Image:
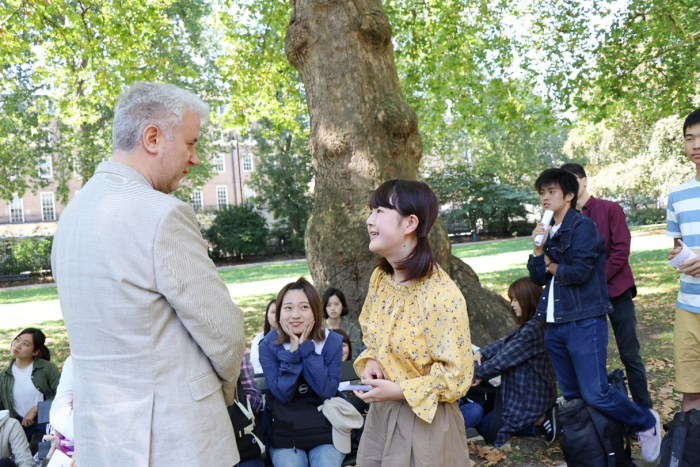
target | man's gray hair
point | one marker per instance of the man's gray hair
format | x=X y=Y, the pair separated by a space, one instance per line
x=160 y=104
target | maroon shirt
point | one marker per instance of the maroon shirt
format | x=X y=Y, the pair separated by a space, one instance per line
x=612 y=226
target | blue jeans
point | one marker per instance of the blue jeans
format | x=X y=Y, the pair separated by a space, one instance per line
x=325 y=455
x=472 y=413
x=624 y=323
x=578 y=351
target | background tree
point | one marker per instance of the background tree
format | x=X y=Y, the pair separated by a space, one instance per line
x=481 y=199
x=237 y=231
x=601 y=55
x=360 y=137
x=74 y=58
x=282 y=180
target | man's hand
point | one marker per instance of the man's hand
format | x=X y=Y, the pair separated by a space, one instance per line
x=382 y=390
x=476 y=382
x=692 y=266
x=30 y=416
x=372 y=370
x=540 y=229
x=477 y=357
x=673 y=253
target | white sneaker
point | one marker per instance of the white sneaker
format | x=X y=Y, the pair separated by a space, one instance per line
x=651 y=440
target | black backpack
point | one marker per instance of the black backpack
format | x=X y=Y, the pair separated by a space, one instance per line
x=681 y=445
x=590 y=438
x=298 y=423
x=246 y=427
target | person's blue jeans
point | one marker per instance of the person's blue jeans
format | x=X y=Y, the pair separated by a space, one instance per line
x=472 y=413
x=624 y=323
x=325 y=455
x=578 y=351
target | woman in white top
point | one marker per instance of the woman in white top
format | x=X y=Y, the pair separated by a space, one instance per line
x=29 y=379
x=270 y=324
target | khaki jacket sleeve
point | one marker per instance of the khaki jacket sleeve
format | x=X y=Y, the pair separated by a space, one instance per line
x=188 y=279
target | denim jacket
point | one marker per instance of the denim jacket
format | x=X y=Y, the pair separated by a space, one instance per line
x=581 y=289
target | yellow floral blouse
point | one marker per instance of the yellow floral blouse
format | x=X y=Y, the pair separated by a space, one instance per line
x=419 y=335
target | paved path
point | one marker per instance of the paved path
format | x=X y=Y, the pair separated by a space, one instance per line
x=24 y=314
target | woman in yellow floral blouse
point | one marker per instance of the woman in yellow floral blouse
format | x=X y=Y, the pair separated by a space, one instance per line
x=415 y=326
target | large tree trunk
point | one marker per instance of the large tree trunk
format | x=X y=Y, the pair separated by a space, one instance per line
x=363 y=132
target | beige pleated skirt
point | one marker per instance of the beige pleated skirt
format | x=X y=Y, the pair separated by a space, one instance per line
x=395 y=437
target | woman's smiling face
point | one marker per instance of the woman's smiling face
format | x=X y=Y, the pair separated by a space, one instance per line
x=296 y=311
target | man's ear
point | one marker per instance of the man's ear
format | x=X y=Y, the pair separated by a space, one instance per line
x=584 y=181
x=151 y=138
x=569 y=197
x=411 y=224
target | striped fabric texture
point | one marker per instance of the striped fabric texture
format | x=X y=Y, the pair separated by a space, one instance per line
x=683 y=222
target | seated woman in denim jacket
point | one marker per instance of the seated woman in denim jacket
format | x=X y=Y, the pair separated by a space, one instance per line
x=301 y=361
x=528 y=384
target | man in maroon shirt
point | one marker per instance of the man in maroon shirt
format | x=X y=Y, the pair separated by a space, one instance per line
x=612 y=226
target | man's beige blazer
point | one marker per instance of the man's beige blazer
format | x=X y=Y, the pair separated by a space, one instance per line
x=156 y=341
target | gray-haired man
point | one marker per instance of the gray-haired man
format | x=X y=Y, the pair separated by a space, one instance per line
x=156 y=340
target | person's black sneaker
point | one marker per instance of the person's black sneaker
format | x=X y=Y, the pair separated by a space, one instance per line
x=551 y=424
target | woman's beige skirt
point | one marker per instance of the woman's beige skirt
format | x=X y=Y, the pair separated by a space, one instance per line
x=395 y=437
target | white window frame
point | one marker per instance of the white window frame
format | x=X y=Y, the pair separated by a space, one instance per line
x=48 y=202
x=193 y=198
x=46 y=167
x=249 y=192
x=247 y=163
x=17 y=204
x=219 y=163
x=221 y=190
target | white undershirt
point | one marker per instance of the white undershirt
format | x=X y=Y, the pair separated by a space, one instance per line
x=550 y=297
x=24 y=394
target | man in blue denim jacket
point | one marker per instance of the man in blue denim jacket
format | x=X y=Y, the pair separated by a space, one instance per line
x=570 y=264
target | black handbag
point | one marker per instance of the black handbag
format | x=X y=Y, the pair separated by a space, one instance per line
x=299 y=424
x=246 y=427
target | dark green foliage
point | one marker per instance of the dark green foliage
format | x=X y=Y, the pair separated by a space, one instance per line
x=31 y=254
x=646 y=216
x=481 y=200
x=238 y=231
x=281 y=181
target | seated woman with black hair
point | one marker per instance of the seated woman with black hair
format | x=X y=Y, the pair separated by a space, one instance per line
x=528 y=385
x=335 y=310
x=302 y=365
x=29 y=379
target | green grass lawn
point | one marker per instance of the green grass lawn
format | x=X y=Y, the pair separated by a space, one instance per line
x=229 y=276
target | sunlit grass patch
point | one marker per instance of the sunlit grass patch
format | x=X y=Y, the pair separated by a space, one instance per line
x=35 y=294
x=264 y=273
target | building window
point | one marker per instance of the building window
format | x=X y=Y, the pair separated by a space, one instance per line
x=249 y=192
x=46 y=167
x=221 y=197
x=48 y=207
x=196 y=197
x=247 y=163
x=219 y=164
x=16 y=210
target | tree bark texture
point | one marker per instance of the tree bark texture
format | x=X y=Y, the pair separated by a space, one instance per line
x=363 y=132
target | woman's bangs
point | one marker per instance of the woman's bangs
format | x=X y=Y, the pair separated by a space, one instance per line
x=382 y=197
